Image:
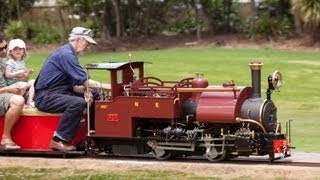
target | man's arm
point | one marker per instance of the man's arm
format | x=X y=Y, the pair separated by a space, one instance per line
x=88 y=85
x=92 y=85
x=98 y=85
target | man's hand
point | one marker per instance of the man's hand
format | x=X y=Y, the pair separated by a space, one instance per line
x=78 y=89
x=88 y=96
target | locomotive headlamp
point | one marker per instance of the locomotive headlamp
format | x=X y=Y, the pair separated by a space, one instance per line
x=275 y=81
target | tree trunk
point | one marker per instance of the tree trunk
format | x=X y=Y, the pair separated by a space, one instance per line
x=316 y=34
x=297 y=23
x=253 y=8
x=17 y=6
x=116 y=5
x=147 y=17
x=207 y=21
x=197 y=22
x=60 y=14
x=229 y=5
x=105 y=35
x=3 y=14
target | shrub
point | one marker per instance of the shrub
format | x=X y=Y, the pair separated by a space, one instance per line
x=43 y=34
x=37 y=33
x=15 y=29
x=268 y=27
x=272 y=21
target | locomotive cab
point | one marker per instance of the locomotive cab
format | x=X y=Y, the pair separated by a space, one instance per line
x=121 y=74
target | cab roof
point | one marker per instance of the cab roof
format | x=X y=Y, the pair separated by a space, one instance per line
x=110 y=65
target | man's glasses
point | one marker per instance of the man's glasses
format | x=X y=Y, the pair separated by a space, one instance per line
x=85 y=43
x=3 y=48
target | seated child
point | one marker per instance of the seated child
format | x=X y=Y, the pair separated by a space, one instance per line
x=15 y=67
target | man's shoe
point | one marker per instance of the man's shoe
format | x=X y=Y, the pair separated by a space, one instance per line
x=61 y=146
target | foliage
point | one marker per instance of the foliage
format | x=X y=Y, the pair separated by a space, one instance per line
x=12 y=10
x=269 y=23
x=144 y=18
x=38 y=33
x=137 y=17
x=181 y=19
x=134 y=28
x=16 y=29
x=148 y=17
x=152 y=17
x=187 y=24
x=268 y=27
x=309 y=12
x=43 y=34
x=224 y=15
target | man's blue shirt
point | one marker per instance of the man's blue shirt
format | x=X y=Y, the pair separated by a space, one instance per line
x=60 y=72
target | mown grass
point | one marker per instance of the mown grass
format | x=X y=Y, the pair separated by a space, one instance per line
x=74 y=174
x=298 y=99
x=15 y=173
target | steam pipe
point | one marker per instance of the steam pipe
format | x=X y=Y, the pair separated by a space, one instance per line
x=252 y=121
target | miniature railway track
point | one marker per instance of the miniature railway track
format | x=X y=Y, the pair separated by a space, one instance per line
x=276 y=163
x=300 y=164
x=202 y=160
x=150 y=158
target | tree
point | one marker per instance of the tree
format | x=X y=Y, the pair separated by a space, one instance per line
x=96 y=11
x=116 y=4
x=309 y=12
x=11 y=10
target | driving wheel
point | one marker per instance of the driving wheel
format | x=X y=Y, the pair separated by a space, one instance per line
x=162 y=154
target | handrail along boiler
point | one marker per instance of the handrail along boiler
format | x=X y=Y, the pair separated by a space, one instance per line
x=187 y=117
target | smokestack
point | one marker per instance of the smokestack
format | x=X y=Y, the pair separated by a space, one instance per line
x=256 y=78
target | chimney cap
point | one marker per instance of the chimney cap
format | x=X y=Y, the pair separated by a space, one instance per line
x=255 y=65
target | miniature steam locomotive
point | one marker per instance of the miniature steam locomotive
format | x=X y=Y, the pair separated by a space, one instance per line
x=171 y=119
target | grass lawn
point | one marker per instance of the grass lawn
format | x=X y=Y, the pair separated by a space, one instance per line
x=298 y=99
x=72 y=174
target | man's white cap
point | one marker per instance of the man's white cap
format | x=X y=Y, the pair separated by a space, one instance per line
x=85 y=33
x=16 y=43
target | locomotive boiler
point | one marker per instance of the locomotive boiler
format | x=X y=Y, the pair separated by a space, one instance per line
x=189 y=117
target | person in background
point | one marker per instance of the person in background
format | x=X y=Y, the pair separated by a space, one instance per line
x=60 y=81
x=16 y=66
x=11 y=103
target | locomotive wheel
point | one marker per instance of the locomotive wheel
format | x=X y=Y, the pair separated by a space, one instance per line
x=217 y=157
x=162 y=154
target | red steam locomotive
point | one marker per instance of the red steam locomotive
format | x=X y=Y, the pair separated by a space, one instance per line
x=170 y=119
